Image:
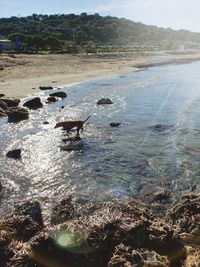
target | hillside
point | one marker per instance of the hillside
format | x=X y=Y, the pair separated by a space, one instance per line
x=55 y=30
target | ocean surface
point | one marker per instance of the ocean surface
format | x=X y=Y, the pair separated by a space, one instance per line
x=113 y=162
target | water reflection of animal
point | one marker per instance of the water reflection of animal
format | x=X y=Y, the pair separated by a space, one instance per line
x=69 y=125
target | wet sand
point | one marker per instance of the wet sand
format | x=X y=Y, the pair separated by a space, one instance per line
x=23 y=74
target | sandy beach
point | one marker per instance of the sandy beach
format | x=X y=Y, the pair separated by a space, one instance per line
x=22 y=75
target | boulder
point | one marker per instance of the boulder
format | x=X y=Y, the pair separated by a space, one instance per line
x=15 y=154
x=115 y=124
x=62 y=212
x=60 y=94
x=2 y=112
x=17 y=114
x=33 y=103
x=161 y=127
x=2 y=95
x=31 y=209
x=45 y=122
x=1 y=186
x=3 y=105
x=46 y=88
x=52 y=99
x=104 y=101
x=10 y=102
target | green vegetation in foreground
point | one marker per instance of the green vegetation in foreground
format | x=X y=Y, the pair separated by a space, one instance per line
x=69 y=33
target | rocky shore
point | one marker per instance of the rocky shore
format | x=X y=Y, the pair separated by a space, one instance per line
x=113 y=234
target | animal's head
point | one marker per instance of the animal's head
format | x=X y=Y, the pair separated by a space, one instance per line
x=58 y=124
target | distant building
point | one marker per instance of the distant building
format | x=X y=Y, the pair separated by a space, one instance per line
x=6 y=45
x=181 y=48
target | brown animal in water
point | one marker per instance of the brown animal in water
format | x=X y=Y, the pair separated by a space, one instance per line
x=69 y=125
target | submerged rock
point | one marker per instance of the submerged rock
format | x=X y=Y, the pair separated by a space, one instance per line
x=161 y=127
x=60 y=94
x=52 y=99
x=104 y=101
x=17 y=114
x=73 y=145
x=33 y=103
x=15 y=154
x=115 y=124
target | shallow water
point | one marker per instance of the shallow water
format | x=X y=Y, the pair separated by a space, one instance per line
x=114 y=162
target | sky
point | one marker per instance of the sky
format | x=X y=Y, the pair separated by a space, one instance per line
x=176 y=14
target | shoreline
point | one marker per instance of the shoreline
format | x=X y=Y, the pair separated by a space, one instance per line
x=23 y=74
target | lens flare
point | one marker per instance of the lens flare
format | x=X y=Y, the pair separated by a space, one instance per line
x=69 y=240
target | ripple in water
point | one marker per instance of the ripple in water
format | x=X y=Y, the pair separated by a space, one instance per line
x=114 y=162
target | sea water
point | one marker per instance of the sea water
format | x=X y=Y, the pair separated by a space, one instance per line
x=113 y=162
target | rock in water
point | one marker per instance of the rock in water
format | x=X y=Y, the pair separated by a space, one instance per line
x=3 y=105
x=60 y=94
x=15 y=154
x=104 y=101
x=115 y=124
x=34 y=103
x=10 y=102
x=17 y=114
x=52 y=99
x=2 y=112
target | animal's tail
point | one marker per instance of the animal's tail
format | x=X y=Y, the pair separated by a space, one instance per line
x=86 y=119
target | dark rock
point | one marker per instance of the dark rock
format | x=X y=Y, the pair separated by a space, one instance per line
x=15 y=154
x=45 y=122
x=31 y=209
x=72 y=139
x=1 y=68
x=17 y=114
x=115 y=124
x=73 y=146
x=104 y=101
x=46 y=88
x=23 y=226
x=62 y=107
x=2 y=95
x=186 y=215
x=60 y=94
x=52 y=99
x=10 y=102
x=125 y=256
x=34 y=103
x=161 y=195
x=2 y=112
x=1 y=186
x=3 y=105
x=62 y=212
x=161 y=127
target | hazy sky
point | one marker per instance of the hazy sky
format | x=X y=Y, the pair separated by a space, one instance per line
x=177 y=14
